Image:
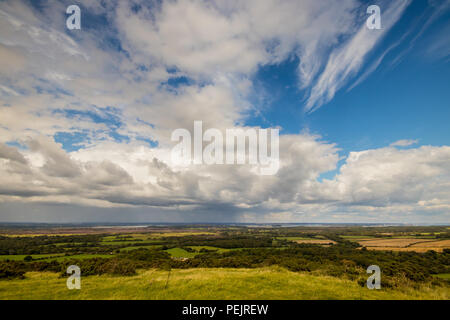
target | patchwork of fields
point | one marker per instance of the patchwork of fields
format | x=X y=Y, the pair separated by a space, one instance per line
x=226 y=262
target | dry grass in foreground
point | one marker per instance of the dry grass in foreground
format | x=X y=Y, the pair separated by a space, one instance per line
x=223 y=284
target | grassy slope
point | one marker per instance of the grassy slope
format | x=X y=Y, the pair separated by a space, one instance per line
x=264 y=283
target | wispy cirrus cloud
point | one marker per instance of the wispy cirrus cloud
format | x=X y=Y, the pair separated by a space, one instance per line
x=348 y=58
x=403 y=143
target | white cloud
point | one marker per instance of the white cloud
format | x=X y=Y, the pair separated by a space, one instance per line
x=346 y=61
x=218 y=45
x=403 y=143
x=368 y=183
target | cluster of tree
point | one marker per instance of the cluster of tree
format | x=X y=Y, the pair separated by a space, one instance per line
x=440 y=232
x=244 y=241
x=17 y=269
x=7 y=271
x=45 y=244
x=97 y=266
x=94 y=266
x=339 y=260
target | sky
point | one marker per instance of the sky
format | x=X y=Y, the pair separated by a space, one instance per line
x=86 y=116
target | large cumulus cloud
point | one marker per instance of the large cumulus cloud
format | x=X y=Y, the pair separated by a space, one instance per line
x=110 y=83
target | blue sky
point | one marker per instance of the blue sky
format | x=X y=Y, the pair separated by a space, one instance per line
x=406 y=97
x=282 y=81
x=86 y=115
x=408 y=100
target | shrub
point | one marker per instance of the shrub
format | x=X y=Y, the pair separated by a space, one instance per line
x=10 y=271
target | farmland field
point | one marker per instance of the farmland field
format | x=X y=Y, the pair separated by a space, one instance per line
x=180 y=253
x=406 y=244
x=401 y=243
x=433 y=244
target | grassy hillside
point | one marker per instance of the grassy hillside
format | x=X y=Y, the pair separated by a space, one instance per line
x=261 y=283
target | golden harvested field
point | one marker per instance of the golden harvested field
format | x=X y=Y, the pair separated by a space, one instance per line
x=400 y=243
x=137 y=232
x=434 y=244
x=417 y=245
x=415 y=249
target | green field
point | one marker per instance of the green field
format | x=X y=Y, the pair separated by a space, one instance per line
x=357 y=237
x=181 y=253
x=445 y=276
x=261 y=283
